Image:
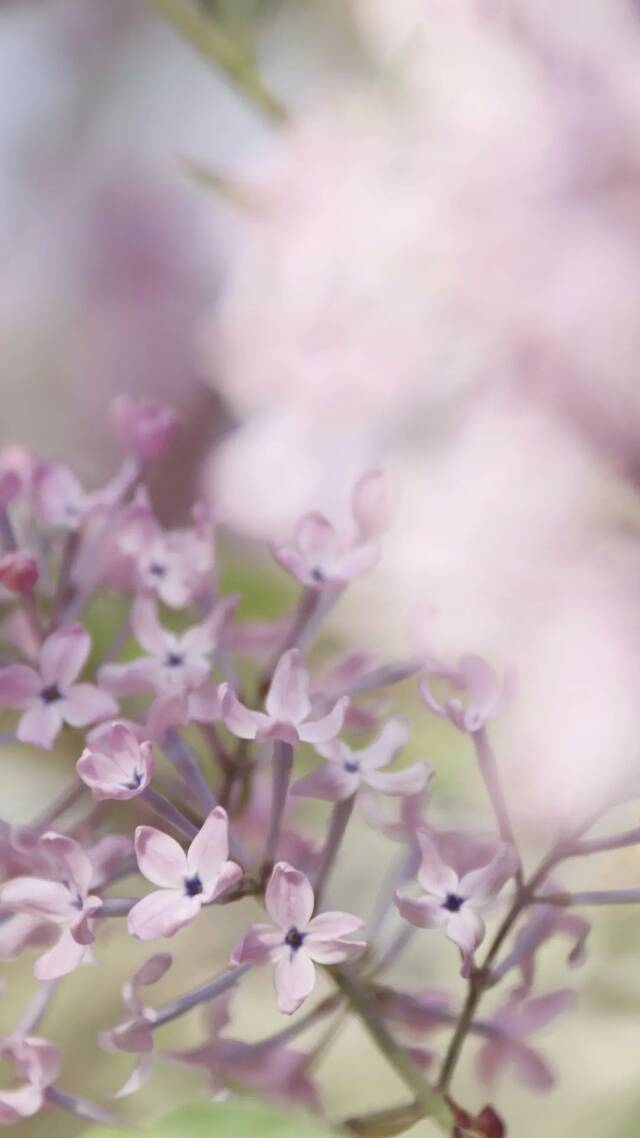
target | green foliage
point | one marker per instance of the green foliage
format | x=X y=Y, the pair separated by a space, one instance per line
x=236 y=1119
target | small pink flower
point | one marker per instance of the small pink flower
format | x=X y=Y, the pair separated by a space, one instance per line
x=455 y=903
x=507 y=1031
x=37 y=1064
x=287 y=708
x=347 y=770
x=18 y=572
x=187 y=880
x=65 y=901
x=482 y=695
x=49 y=697
x=121 y=768
x=173 y=564
x=62 y=502
x=145 y=428
x=296 y=940
x=134 y=1033
x=174 y=662
x=322 y=560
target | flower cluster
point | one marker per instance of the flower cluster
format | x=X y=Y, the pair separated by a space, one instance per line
x=184 y=680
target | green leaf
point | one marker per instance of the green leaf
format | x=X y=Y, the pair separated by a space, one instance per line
x=236 y=1119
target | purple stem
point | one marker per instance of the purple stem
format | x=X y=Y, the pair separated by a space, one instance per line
x=36 y=1008
x=63 y=801
x=82 y=1107
x=340 y=817
x=175 y=1008
x=282 y=767
x=604 y=897
x=612 y=842
x=382 y=677
x=185 y=762
x=165 y=809
x=116 y=907
x=489 y=772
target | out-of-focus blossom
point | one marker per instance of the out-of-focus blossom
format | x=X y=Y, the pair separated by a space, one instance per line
x=346 y=770
x=134 y=1032
x=175 y=662
x=297 y=939
x=287 y=708
x=507 y=1031
x=174 y=564
x=62 y=502
x=482 y=694
x=455 y=903
x=143 y=426
x=49 y=697
x=37 y=1064
x=319 y=558
x=187 y=881
x=121 y=769
x=18 y=572
x=65 y=901
x=543 y=923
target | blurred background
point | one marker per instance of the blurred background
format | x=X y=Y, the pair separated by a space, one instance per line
x=345 y=233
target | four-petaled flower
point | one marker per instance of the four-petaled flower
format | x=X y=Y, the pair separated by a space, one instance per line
x=48 y=696
x=287 y=708
x=187 y=880
x=66 y=902
x=347 y=770
x=482 y=695
x=297 y=939
x=173 y=564
x=61 y=500
x=455 y=903
x=118 y=765
x=322 y=560
x=37 y=1064
x=506 y=1032
x=175 y=662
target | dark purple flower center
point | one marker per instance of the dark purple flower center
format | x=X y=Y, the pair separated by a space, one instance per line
x=294 y=938
x=453 y=903
x=157 y=570
x=318 y=575
x=351 y=766
x=174 y=660
x=51 y=693
x=136 y=781
x=192 y=885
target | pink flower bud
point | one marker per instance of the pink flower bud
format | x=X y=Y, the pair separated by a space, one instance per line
x=18 y=572
x=143 y=427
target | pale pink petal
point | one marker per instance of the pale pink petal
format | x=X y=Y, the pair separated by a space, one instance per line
x=147 y=628
x=105 y=778
x=204 y=704
x=143 y=426
x=322 y=730
x=288 y=697
x=132 y=678
x=409 y=780
x=429 y=699
x=21 y=1102
x=423 y=912
x=337 y=752
x=393 y=737
x=167 y=711
x=331 y=925
x=481 y=884
x=315 y=537
x=65 y=956
x=329 y=782
x=277 y=730
x=71 y=860
x=484 y=692
x=537 y=1013
x=205 y=637
x=257 y=945
x=37 y=1057
x=354 y=562
x=139 y=1076
x=85 y=703
x=434 y=876
x=294 y=563
x=294 y=979
x=370 y=503
x=240 y=720
x=160 y=859
x=152 y=970
x=531 y=1068
x=228 y=876
x=493 y=1055
x=162 y=913
x=19 y=685
x=289 y=897
x=466 y=930
x=40 y=724
x=63 y=655
x=333 y=951
x=49 y=900
x=210 y=847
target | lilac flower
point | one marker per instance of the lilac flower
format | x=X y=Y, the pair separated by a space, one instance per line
x=121 y=768
x=144 y=427
x=65 y=901
x=507 y=1031
x=482 y=695
x=63 y=503
x=287 y=708
x=175 y=662
x=37 y=1064
x=347 y=770
x=187 y=880
x=173 y=564
x=18 y=572
x=134 y=1033
x=296 y=940
x=455 y=903
x=319 y=558
x=48 y=696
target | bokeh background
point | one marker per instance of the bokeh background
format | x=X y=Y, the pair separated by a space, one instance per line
x=395 y=232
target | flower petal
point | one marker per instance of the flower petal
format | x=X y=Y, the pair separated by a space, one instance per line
x=481 y=885
x=393 y=737
x=433 y=875
x=240 y=720
x=132 y=678
x=466 y=929
x=424 y=912
x=257 y=945
x=40 y=725
x=19 y=685
x=322 y=730
x=65 y=956
x=329 y=782
x=63 y=655
x=334 y=951
x=147 y=628
x=160 y=859
x=294 y=979
x=85 y=703
x=38 y=897
x=330 y=925
x=210 y=847
x=162 y=913
x=289 y=897
x=226 y=878
x=409 y=780
x=288 y=696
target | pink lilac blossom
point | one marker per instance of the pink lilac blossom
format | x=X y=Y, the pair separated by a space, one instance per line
x=37 y=1064
x=507 y=1032
x=287 y=705
x=143 y=426
x=175 y=564
x=121 y=769
x=482 y=695
x=346 y=770
x=61 y=501
x=18 y=572
x=48 y=697
x=455 y=903
x=297 y=940
x=187 y=880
